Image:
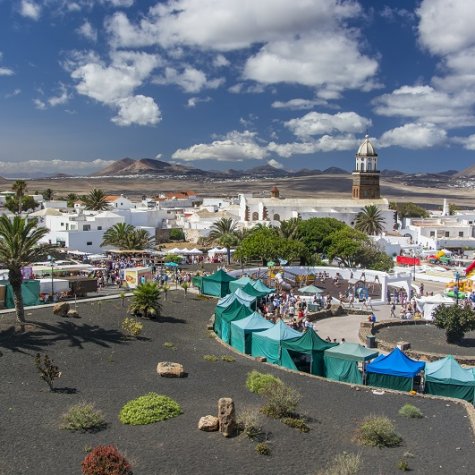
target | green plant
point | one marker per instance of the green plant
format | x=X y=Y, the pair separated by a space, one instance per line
x=378 y=431
x=169 y=345
x=258 y=382
x=131 y=326
x=262 y=448
x=83 y=417
x=148 y=409
x=250 y=422
x=146 y=300
x=296 y=423
x=105 y=460
x=455 y=320
x=403 y=465
x=281 y=400
x=413 y=412
x=47 y=369
x=185 y=286
x=343 y=464
x=122 y=298
x=228 y=359
x=212 y=358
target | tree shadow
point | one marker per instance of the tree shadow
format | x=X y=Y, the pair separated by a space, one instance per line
x=65 y=390
x=168 y=319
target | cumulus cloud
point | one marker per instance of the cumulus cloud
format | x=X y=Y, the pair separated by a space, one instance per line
x=30 y=9
x=414 y=136
x=6 y=72
x=275 y=164
x=234 y=147
x=467 y=142
x=317 y=123
x=138 y=110
x=220 y=61
x=190 y=79
x=86 y=30
x=298 y=104
x=58 y=166
x=194 y=101
x=119 y=3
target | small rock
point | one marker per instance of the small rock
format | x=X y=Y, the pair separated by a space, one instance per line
x=167 y=369
x=227 y=417
x=73 y=313
x=208 y=424
x=61 y=309
x=458 y=448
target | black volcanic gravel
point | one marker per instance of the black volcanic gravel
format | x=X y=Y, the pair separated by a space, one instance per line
x=109 y=371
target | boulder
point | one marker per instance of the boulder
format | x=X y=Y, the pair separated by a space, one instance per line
x=167 y=369
x=73 y=313
x=61 y=309
x=208 y=424
x=227 y=417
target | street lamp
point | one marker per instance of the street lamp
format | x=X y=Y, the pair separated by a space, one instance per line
x=413 y=265
x=51 y=259
x=456 y=290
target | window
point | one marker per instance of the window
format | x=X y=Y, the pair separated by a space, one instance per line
x=99 y=228
x=89 y=243
x=460 y=233
x=86 y=227
x=447 y=234
x=432 y=234
x=255 y=216
x=276 y=217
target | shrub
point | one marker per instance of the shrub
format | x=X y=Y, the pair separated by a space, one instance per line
x=105 y=460
x=169 y=345
x=344 y=464
x=212 y=358
x=148 y=409
x=228 y=359
x=146 y=300
x=281 y=400
x=83 y=417
x=250 y=423
x=455 y=320
x=263 y=449
x=258 y=382
x=413 y=412
x=296 y=423
x=47 y=369
x=403 y=465
x=131 y=326
x=378 y=431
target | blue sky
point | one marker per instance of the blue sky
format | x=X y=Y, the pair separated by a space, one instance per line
x=221 y=84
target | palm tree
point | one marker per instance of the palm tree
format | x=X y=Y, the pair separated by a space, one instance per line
x=71 y=198
x=96 y=200
x=19 y=238
x=223 y=232
x=117 y=235
x=146 y=300
x=289 y=229
x=370 y=220
x=139 y=239
x=15 y=203
x=48 y=194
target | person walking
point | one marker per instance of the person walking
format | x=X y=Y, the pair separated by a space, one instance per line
x=393 y=310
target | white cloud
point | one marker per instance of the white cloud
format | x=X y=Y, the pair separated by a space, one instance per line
x=414 y=136
x=220 y=61
x=190 y=79
x=54 y=166
x=298 y=104
x=241 y=88
x=316 y=123
x=275 y=164
x=30 y=9
x=39 y=104
x=194 y=101
x=119 y=3
x=87 y=31
x=6 y=72
x=138 y=110
x=14 y=93
x=234 y=147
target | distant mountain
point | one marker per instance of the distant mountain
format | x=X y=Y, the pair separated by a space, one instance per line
x=467 y=172
x=266 y=171
x=387 y=172
x=449 y=172
x=334 y=171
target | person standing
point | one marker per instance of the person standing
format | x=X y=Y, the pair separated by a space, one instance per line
x=393 y=310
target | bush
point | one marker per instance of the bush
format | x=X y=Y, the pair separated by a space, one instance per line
x=263 y=449
x=228 y=359
x=258 y=382
x=83 y=417
x=131 y=327
x=212 y=358
x=250 y=423
x=176 y=234
x=413 y=412
x=105 y=460
x=47 y=369
x=344 y=464
x=296 y=423
x=403 y=465
x=281 y=400
x=378 y=431
x=169 y=345
x=148 y=409
x=455 y=320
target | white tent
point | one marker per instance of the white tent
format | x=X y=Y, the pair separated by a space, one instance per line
x=195 y=251
x=427 y=305
x=175 y=251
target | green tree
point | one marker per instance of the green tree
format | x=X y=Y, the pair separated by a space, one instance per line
x=453 y=208
x=140 y=239
x=373 y=258
x=48 y=194
x=71 y=198
x=19 y=205
x=408 y=210
x=315 y=232
x=223 y=232
x=455 y=320
x=146 y=300
x=19 y=247
x=117 y=235
x=347 y=245
x=290 y=229
x=370 y=220
x=96 y=200
x=177 y=234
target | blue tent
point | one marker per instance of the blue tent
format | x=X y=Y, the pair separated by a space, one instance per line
x=240 y=283
x=267 y=343
x=393 y=371
x=241 y=331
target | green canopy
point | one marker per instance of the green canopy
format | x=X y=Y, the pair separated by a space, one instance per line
x=341 y=362
x=267 y=344
x=196 y=281
x=445 y=377
x=239 y=295
x=310 y=289
x=241 y=331
x=216 y=284
x=261 y=287
x=305 y=349
x=240 y=283
x=30 y=290
x=230 y=308
x=249 y=289
x=235 y=311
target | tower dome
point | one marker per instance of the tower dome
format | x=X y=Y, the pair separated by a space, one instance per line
x=366 y=149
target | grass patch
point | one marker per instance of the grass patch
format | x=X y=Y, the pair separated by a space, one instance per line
x=228 y=359
x=403 y=465
x=148 y=409
x=250 y=423
x=413 y=412
x=131 y=327
x=296 y=423
x=83 y=417
x=169 y=345
x=258 y=382
x=262 y=448
x=212 y=358
x=281 y=400
x=378 y=431
x=343 y=464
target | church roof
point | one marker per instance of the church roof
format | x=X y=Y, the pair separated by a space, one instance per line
x=366 y=149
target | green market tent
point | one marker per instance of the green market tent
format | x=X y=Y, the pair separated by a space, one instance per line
x=235 y=304
x=393 y=371
x=236 y=311
x=261 y=287
x=341 y=362
x=196 y=281
x=240 y=283
x=310 y=289
x=30 y=290
x=216 y=284
x=446 y=377
x=249 y=289
x=241 y=331
x=305 y=353
x=267 y=344
x=240 y=296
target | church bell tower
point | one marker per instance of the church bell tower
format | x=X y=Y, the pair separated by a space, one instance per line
x=366 y=173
